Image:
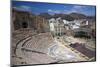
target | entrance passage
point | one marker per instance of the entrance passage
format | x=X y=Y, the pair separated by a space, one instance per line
x=24 y=25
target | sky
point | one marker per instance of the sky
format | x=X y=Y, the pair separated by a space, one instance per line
x=51 y=8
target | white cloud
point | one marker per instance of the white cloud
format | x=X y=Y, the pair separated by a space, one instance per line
x=76 y=9
x=49 y=10
x=54 y=11
x=23 y=8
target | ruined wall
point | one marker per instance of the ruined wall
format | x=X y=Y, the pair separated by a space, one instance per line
x=41 y=24
x=24 y=20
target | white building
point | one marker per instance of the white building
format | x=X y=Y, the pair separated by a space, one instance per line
x=51 y=24
x=56 y=26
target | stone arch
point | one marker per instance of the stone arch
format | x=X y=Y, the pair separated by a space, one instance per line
x=24 y=24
